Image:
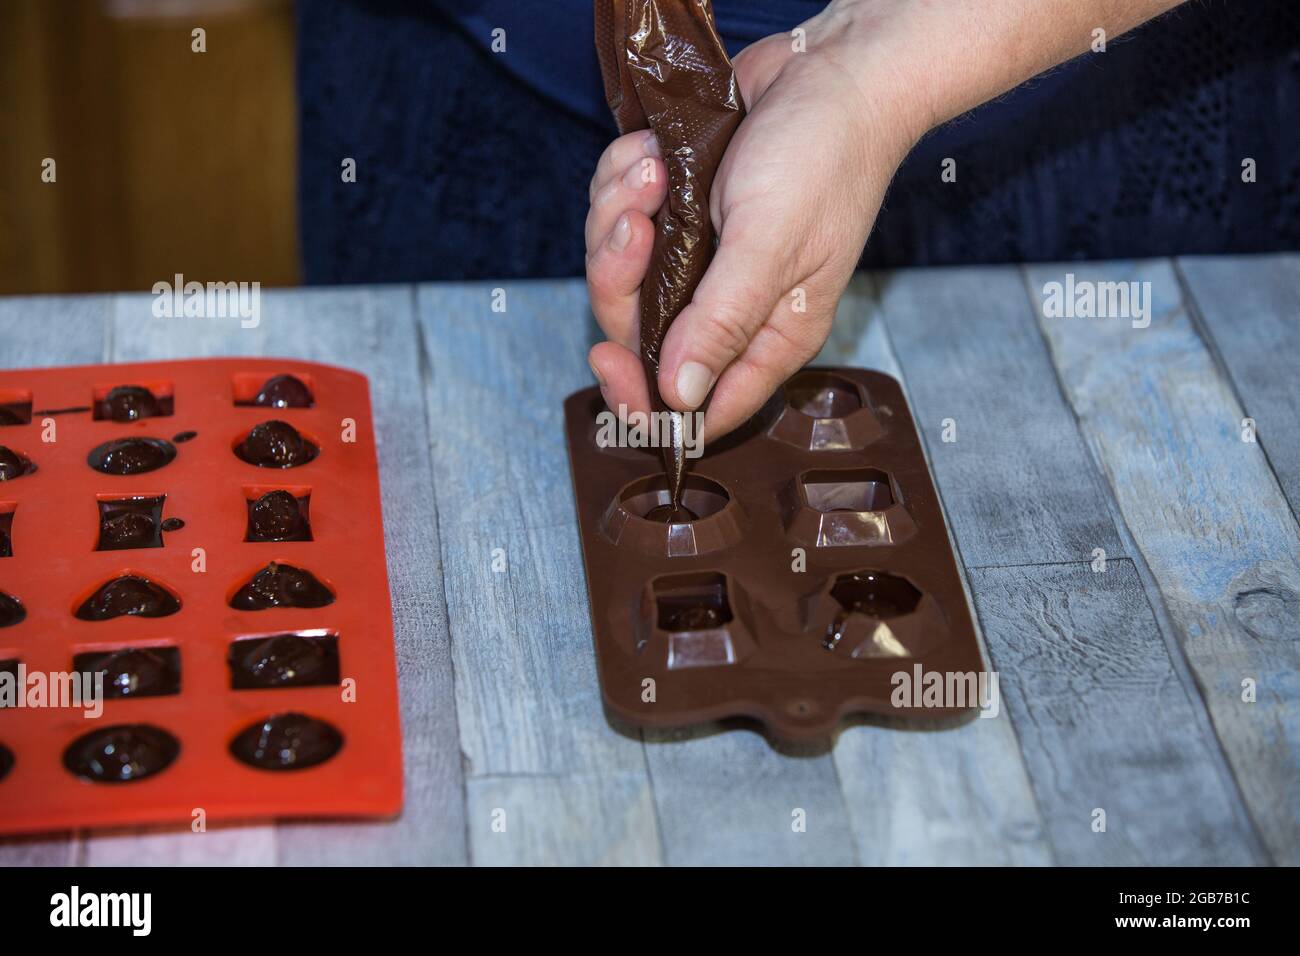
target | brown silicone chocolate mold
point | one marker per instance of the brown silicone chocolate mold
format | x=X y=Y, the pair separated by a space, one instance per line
x=817 y=567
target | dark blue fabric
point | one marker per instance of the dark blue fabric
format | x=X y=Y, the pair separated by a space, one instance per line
x=474 y=164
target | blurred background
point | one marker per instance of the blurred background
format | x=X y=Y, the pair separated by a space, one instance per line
x=474 y=163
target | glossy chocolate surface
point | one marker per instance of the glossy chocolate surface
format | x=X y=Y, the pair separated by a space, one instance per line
x=126 y=523
x=284 y=660
x=11 y=610
x=665 y=68
x=130 y=403
x=276 y=444
x=131 y=595
x=281 y=585
x=278 y=516
x=287 y=741
x=14 y=465
x=132 y=456
x=134 y=671
x=121 y=754
x=284 y=391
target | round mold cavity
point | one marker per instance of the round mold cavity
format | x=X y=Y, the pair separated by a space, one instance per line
x=629 y=520
x=123 y=753
x=276 y=444
x=824 y=411
x=131 y=456
x=845 y=507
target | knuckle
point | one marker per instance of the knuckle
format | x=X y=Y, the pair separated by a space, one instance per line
x=727 y=331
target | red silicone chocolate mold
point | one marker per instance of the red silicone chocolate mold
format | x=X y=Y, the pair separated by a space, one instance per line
x=818 y=567
x=227 y=576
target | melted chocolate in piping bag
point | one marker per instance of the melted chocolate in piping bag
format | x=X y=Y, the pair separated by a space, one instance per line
x=665 y=68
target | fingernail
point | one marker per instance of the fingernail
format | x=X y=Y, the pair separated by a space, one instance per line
x=650 y=145
x=600 y=379
x=641 y=173
x=693 y=383
x=622 y=234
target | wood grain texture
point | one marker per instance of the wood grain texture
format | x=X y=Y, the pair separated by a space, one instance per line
x=1249 y=311
x=1208 y=517
x=1017 y=481
x=39 y=331
x=945 y=797
x=1105 y=722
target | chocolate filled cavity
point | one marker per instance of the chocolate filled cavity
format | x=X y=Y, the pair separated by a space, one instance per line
x=281 y=585
x=15 y=413
x=279 y=516
x=130 y=403
x=132 y=456
x=284 y=391
x=126 y=523
x=6 y=761
x=134 y=671
x=6 y=534
x=11 y=610
x=13 y=465
x=287 y=741
x=131 y=595
x=276 y=444
x=284 y=660
x=121 y=754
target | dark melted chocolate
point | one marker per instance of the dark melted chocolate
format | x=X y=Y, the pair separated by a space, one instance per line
x=284 y=391
x=281 y=585
x=669 y=514
x=16 y=413
x=130 y=403
x=132 y=456
x=11 y=610
x=13 y=465
x=278 y=516
x=121 y=754
x=6 y=761
x=285 y=660
x=287 y=742
x=130 y=523
x=276 y=444
x=128 y=595
x=6 y=532
x=134 y=671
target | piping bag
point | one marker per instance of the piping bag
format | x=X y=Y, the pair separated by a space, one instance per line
x=665 y=68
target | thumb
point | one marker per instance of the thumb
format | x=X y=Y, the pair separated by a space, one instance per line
x=733 y=301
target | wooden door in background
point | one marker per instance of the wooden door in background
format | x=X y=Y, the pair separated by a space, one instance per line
x=167 y=160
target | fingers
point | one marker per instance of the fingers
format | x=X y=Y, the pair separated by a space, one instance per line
x=621 y=154
x=737 y=294
x=614 y=273
x=641 y=186
x=621 y=377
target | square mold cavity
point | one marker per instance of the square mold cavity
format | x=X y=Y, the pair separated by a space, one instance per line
x=15 y=406
x=272 y=661
x=845 y=507
x=131 y=672
x=133 y=401
x=132 y=522
x=693 y=623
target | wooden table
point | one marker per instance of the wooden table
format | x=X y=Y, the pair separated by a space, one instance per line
x=1122 y=688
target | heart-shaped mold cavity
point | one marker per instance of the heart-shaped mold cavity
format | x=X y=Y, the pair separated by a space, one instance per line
x=641 y=516
x=276 y=444
x=845 y=507
x=128 y=523
x=825 y=412
x=128 y=595
x=14 y=464
x=11 y=610
x=288 y=741
x=134 y=671
x=131 y=403
x=15 y=406
x=121 y=754
x=278 y=515
x=281 y=585
x=284 y=660
x=132 y=456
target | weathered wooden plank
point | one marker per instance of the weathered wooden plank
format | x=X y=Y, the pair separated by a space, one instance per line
x=1017 y=480
x=953 y=796
x=1249 y=308
x=38 y=331
x=1208 y=517
x=1105 y=722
